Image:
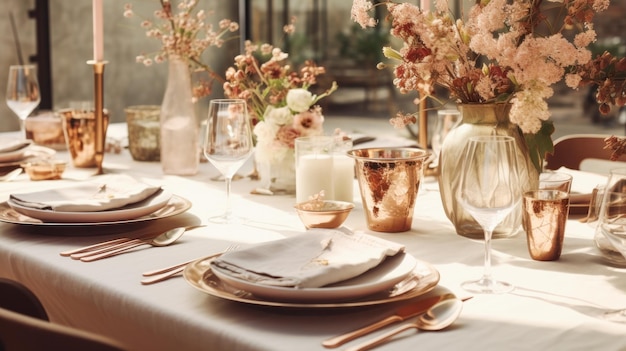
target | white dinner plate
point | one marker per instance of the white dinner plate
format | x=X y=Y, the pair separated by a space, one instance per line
x=125 y=213
x=14 y=158
x=384 y=276
x=421 y=280
x=176 y=205
x=15 y=150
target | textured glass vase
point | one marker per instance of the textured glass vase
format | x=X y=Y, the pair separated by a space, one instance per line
x=478 y=120
x=180 y=153
x=278 y=176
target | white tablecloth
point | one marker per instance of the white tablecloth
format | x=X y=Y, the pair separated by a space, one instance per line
x=555 y=305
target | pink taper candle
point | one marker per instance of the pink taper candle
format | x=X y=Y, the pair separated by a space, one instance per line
x=98 y=36
x=425 y=5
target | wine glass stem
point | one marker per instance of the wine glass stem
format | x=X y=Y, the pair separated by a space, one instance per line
x=22 y=128
x=228 y=211
x=487 y=265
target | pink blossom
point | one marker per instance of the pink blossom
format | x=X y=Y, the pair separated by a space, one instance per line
x=309 y=122
x=359 y=13
x=287 y=135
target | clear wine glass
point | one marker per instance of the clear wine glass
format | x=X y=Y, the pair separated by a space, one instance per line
x=446 y=121
x=489 y=190
x=228 y=143
x=23 y=94
x=612 y=228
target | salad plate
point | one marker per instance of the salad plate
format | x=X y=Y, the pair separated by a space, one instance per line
x=139 y=212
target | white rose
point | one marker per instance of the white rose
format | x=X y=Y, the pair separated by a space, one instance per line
x=299 y=100
x=265 y=131
x=279 y=116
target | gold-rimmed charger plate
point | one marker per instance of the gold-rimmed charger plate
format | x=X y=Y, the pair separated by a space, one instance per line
x=423 y=279
x=176 y=205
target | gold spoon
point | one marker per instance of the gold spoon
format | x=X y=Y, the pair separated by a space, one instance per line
x=439 y=316
x=164 y=239
x=11 y=175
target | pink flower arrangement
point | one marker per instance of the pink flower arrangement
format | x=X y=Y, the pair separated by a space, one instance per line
x=184 y=34
x=279 y=100
x=504 y=51
x=277 y=131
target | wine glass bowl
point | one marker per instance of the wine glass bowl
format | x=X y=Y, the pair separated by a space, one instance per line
x=446 y=121
x=609 y=238
x=227 y=143
x=23 y=94
x=612 y=228
x=489 y=190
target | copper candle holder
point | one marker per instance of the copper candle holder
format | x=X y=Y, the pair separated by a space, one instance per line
x=98 y=74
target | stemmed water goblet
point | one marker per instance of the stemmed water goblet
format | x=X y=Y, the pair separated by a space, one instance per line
x=228 y=144
x=23 y=94
x=489 y=190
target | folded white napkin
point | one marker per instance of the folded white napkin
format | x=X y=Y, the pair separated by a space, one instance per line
x=314 y=259
x=583 y=182
x=99 y=194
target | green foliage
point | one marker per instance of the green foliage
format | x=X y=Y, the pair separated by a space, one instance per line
x=540 y=144
x=363 y=45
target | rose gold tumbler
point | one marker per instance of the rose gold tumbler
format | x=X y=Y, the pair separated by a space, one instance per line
x=79 y=127
x=544 y=217
x=389 y=179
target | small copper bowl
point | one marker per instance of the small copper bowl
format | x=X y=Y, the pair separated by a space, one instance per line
x=323 y=214
x=44 y=169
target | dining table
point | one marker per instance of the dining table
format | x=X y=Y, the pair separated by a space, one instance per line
x=556 y=305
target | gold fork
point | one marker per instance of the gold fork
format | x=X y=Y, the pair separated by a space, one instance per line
x=161 y=274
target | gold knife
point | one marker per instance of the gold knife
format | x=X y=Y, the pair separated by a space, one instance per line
x=401 y=314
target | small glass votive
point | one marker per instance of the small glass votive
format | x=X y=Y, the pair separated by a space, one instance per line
x=46 y=129
x=144 y=132
x=555 y=181
x=44 y=169
x=544 y=216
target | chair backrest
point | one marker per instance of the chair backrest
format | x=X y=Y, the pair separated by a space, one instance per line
x=24 y=333
x=571 y=150
x=16 y=297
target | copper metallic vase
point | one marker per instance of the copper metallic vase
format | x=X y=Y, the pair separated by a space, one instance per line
x=389 y=179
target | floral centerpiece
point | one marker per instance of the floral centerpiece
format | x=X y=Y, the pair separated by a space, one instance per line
x=503 y=52
x=281 y=104
x=499 y=64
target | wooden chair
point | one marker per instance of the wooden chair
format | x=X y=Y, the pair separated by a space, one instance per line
x=24 y=325
x=574 y=150
x=16 y=297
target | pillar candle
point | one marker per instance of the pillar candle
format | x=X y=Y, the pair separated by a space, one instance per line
x=314 y=174
x=98 y=36
x=343 y=174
